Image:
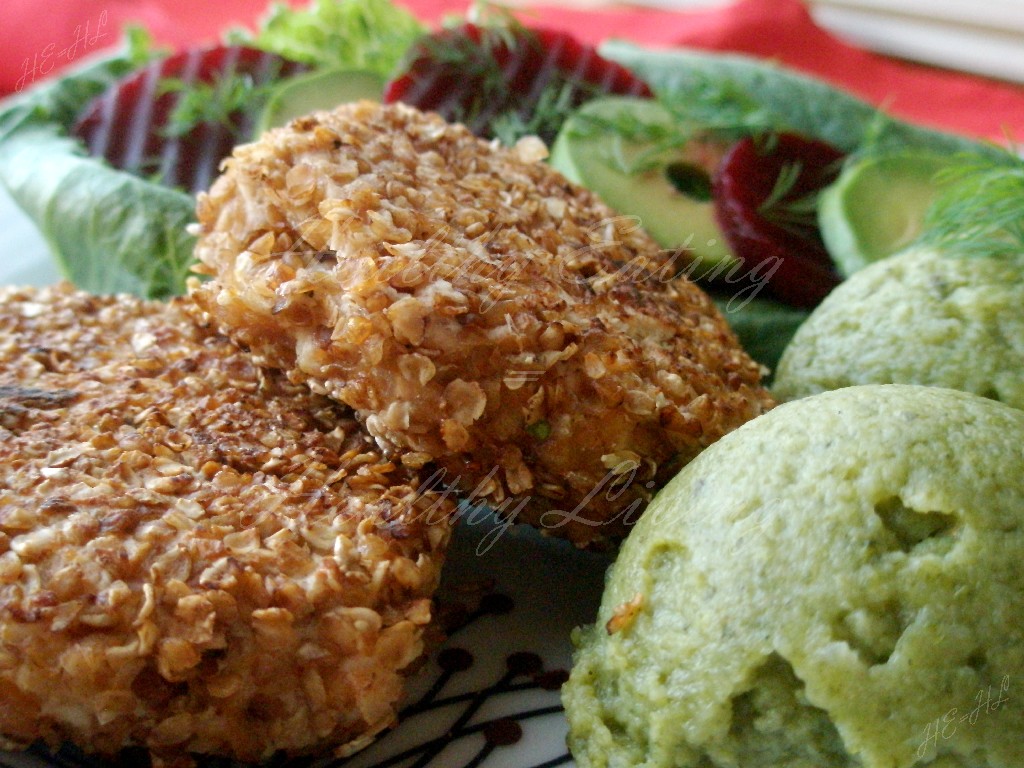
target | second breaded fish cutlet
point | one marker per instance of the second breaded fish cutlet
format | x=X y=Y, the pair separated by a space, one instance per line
x=482 y=315
x=195 y=556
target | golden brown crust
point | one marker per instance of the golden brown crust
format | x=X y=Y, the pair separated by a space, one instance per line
x=194 y=556
x=480 y=313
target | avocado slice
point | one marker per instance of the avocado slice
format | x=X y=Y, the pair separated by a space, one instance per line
x=877 y=206
x=639 y=159
x=322 y=89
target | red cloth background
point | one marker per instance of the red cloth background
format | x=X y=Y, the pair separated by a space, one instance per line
x=36 y=44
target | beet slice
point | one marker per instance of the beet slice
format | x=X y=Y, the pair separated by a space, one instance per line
x=764 y=193
x=128 y=125
x=474 y=75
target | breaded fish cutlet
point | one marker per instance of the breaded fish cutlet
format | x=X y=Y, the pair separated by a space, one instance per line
x=195 y=556
x=483 y=315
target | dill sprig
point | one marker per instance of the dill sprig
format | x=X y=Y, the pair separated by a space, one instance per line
x=723 y=114
x=979 y=211
x=500 y=32
x=795 y=213
x=482 y=60
x=553 y=106
x=218 y=102
x=473 y=61
x=782 y=209
x=659 y=138
x=724 y=108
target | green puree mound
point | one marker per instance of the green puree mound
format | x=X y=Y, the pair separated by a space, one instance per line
x=916 y=318
x=837 y=583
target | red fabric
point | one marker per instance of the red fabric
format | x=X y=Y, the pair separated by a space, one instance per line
x=36 y=44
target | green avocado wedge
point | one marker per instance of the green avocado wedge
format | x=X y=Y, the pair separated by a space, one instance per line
x=637 y=158
x=877 y=206
x=322 y=89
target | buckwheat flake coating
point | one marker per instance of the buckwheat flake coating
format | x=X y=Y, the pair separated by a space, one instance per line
x=482 y=315
x=195 y=557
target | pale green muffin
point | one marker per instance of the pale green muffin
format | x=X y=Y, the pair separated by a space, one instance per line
x=838 y=583
x=916 y=318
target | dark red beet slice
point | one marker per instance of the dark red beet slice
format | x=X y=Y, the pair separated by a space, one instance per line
x=128 y=124
x=771 y=231
x=474 y=74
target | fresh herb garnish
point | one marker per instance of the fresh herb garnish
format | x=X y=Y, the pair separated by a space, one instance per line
x=480 y=53
x=554 y=105
x=219 y=102
x=139 y=47
x=725 y=109
x=979 y=211
x=658 y=137
x=798 y=214
x=474 y=60
x=792 y=202
x=504 y=80
x=784 y=184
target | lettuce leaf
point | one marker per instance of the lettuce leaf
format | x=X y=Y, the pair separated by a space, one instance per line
x=109 y=231
x=371 y=35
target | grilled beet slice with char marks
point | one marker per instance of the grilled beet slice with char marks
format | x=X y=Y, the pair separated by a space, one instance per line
x=140 y=124
x=507 y=81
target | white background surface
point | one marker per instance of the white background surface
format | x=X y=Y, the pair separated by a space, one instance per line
x=981 y=36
